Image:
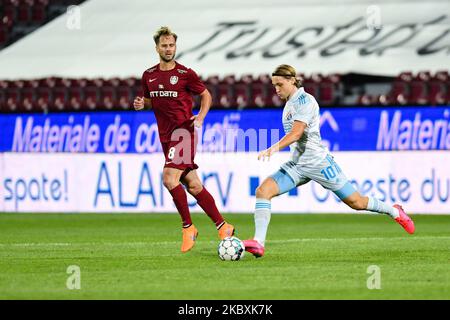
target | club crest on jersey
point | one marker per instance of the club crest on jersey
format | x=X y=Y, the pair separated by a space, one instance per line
x=289 y=116
x=173 y=79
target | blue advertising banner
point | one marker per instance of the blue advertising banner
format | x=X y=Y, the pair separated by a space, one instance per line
x=344 y=129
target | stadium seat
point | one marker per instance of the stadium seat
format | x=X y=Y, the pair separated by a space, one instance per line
x=214 y=80
x=28 y=96
x=400 y=89
x=312 y=84
x=56 y=94
x=59 y=99
x=437 y=88
x=12 y=98
x=258 y=94
x=10 y=9
x=419 y=89
x=3 y=86
x=44 y=97
x=75 y=98
x=107 y=97
x=124 y=97
x=4 y=36
x=225 y=92
x=241 y=94
x=91 y=97
x=38 y=13
x=24 y=12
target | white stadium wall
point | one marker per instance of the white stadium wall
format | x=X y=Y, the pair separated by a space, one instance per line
x=103 y=38
x=33 y=182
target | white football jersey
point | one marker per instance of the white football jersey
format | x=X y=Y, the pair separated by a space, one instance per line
x=308 y=150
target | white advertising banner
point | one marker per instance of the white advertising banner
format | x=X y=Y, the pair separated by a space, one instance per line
x=32 y=182
x=103 y=38
x=2 y=205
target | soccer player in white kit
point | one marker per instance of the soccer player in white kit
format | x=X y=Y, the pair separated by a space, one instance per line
x=310 y=160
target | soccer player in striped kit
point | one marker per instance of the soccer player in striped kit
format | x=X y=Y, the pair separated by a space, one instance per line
x=310 y=160
x=168 y=88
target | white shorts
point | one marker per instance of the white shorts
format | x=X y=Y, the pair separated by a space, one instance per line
x=327 y=173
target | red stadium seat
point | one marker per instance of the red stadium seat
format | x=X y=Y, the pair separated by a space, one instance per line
x=438 y=87
x=3 y=86
x=38 y=13
x=419 y=89
x=59 y=99
x=241 y=95
x=91 y=97
x=12 y=98
x=447 y=98
x=24 y=12
x=214 y=80
x=28 y=96
x=10 y=11
x=75 y=98
x=28 y=100
x=44 y=97
x=264 y=78
x=107 y=98
x=4 y=36
x=258 y=94
x=225 y=95
x=442 y=76
x=400 y=89
x=311 y=87
x=124 y=97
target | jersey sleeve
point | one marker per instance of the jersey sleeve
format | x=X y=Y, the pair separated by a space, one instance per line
x=304 y=110
x=194 y=83
x=144 y=86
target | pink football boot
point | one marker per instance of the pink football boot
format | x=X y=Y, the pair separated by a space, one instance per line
x=254 y=247
x=404 y=220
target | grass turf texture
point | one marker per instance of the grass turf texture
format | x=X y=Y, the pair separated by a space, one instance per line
x=137 y=256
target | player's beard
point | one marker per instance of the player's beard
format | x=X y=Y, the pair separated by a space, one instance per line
x=163 y=58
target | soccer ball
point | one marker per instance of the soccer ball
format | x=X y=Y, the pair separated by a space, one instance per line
x=231 y=249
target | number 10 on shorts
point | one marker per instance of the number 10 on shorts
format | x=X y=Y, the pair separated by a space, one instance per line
x=330 y=172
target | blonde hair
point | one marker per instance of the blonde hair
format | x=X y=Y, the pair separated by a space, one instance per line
x=287 y=71
x=163 y=31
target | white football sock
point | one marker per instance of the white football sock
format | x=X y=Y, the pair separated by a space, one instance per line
x=376 y=205
x=262 y=219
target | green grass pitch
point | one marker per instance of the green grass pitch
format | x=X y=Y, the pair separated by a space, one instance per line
x=137 y=256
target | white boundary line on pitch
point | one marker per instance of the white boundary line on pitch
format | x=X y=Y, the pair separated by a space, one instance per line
x=150 y=243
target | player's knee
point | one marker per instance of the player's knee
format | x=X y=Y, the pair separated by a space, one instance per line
x=194 y=188
x=170 y=181
x=262 y=192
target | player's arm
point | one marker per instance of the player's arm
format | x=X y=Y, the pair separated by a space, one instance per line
x=205 y=105
x=296 y=133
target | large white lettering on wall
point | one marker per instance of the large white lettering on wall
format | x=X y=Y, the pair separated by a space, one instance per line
x=32 y=182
